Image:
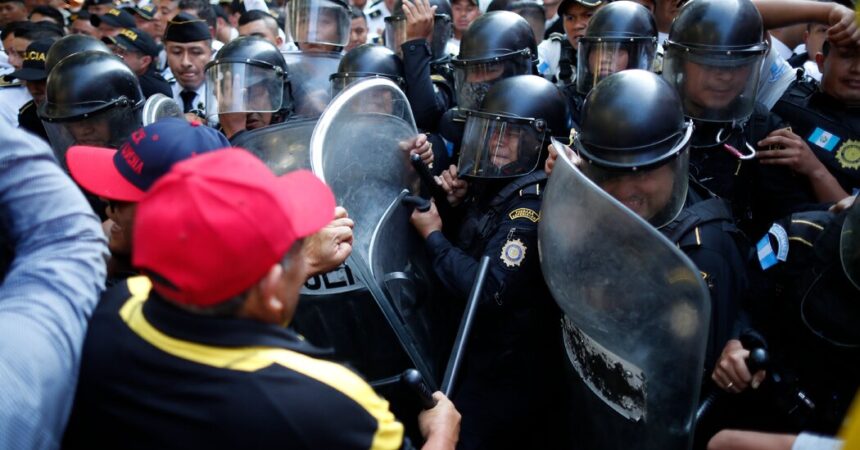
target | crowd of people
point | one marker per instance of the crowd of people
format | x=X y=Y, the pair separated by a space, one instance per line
x=202 y=205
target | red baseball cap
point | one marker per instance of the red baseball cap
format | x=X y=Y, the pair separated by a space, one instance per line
x=215 y=224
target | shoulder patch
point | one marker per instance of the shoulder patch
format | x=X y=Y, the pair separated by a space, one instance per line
x=524 y=213
x=766 y=256
x=513 y=253
x=848 y=155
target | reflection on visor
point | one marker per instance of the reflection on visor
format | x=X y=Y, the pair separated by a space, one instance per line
x=242 y=88
x=656 y=194
x=496 y=148
x=318 y=22
x=473 y=80
x=714 y=87
x=598 y=60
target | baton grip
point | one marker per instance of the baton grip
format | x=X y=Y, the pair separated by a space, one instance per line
x=419 y=203
x=415 y=381
x=427 y=180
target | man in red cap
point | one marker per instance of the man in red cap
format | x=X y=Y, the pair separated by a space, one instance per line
x=196 y=355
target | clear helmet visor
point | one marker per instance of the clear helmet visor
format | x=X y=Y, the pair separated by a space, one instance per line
x=243 y=88
x=597 y=60
x=849 y=244
x=309 y=80
x=656 y=194
x=104 y=129
x=395 y=34
x=318 y=22
x=714 y=86
x=496 y=146
x=472 y=80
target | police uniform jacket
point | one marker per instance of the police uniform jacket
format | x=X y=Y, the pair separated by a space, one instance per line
x=430 y=95
x=808 y=312
x=155 y=376
x=29 y=120
x=152 y=82
x=759 y=193
x=830 y=128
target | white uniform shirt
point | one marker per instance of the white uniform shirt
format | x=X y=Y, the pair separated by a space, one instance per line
x=12 y=98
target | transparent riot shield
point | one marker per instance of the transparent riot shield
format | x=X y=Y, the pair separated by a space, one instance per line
x=309 y=80
x=160 y=106
x=360 y=149
x=636 y=316
x=283 y=147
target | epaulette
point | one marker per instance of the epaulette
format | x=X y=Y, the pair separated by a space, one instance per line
x=6 y=82
x=26 y=106
x=436 y=78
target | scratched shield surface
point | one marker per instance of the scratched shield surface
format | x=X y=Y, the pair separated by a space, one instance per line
x=636 y=316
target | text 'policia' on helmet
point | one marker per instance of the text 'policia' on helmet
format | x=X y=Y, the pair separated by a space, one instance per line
x=368 y=61
x=443 y=29
x=506 y=136
x=621 y=35
x=323 y=22
x=713 y=57
x=633 y=127
x=497 y=45
x=248 y=74
x=92 y=98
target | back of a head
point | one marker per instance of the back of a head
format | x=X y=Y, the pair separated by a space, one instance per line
x=200 y=8
x=497 y=34
x=40 y=30
x=48 y=11
x=718 y=25
x=71 y=44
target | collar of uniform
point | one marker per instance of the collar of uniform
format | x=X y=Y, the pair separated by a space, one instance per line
x=222 y=331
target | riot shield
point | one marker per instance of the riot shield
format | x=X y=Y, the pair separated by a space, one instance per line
x=309 y=80
x=283 y=147
x=359 y=149
x=160 y=106
x=636 y=316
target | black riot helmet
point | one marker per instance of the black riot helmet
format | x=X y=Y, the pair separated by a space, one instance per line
x=507 y=135
x=248 y=74
x=633 y=124
x=716 y=40
x=71 y=44
x=367 y=61
x=91 y=98
x=497 y=45
x=443 y=29
x=621 y=35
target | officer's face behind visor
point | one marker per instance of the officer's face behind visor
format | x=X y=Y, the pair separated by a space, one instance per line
x=598 y=60
x=500 y=147
x=656 y=194
x=103 y=129
x=714 y=87
x=473 y=79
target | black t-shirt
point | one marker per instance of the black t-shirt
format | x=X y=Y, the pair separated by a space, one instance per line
x=155 y=376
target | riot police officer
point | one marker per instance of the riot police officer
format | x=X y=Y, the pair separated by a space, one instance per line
x=824 y=117
x=69 y=45
x=508 y=376
x=712 y=57
x=247 y=86
x=92 y=98
x=642 y=161
x=621 y=35
x=498 y=45
x=367 y=61
x=806 y=316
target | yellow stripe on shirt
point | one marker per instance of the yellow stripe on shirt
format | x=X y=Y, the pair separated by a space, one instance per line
x=389 y=432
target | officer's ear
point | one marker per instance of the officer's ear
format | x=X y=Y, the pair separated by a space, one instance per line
x=819 y=60
x=147 y=60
